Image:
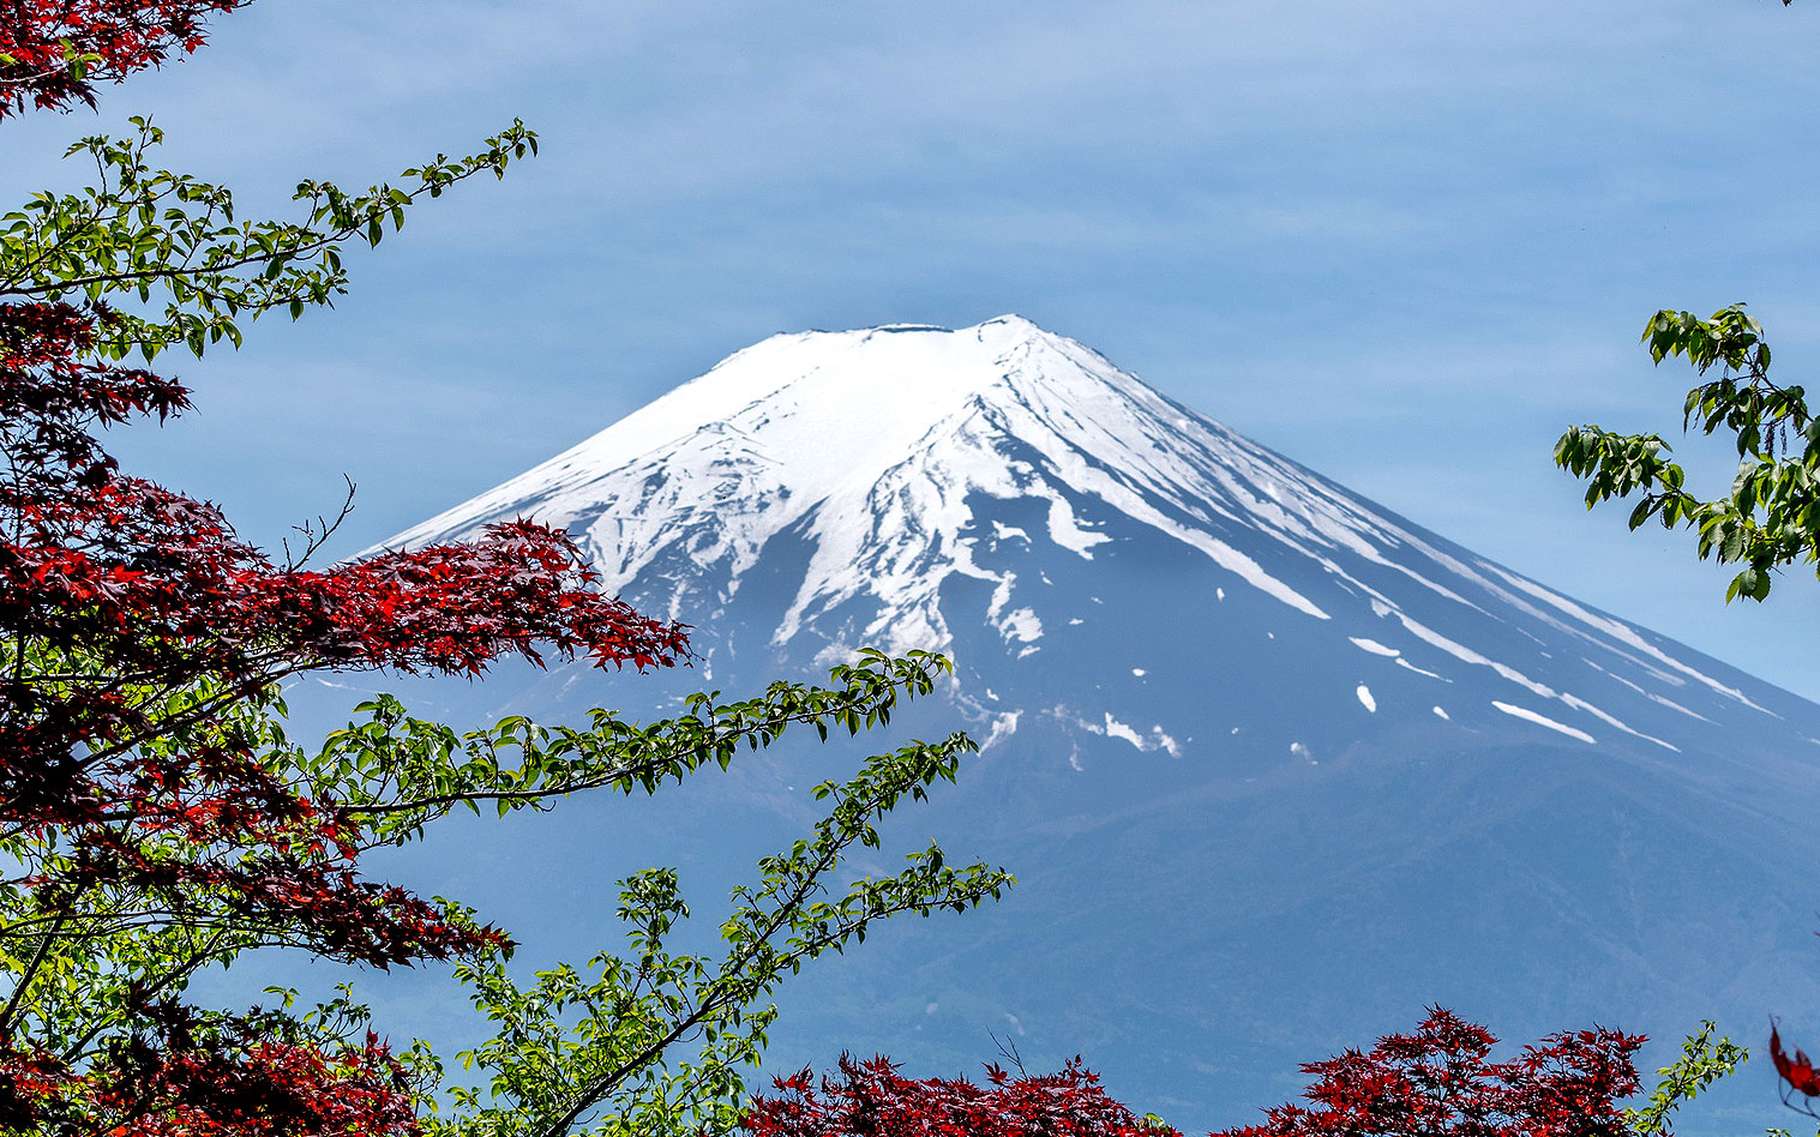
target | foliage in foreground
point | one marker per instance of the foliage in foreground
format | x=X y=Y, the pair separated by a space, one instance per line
x=156 y=821
x=1438 y=1081
x=1770 y=518
x=656 y=1042
x=872 y=1099
x=1702 y=1062
x=54 y=52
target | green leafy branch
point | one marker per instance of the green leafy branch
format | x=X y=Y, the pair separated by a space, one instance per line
x=1702 y=1062
x=141 y=232
x=590 y=1052
x=1771 y=516
x=394 y=774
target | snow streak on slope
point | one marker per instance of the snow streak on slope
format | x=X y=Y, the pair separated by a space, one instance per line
x=876 y=447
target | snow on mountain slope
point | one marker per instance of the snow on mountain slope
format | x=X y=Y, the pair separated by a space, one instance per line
x=881 y=443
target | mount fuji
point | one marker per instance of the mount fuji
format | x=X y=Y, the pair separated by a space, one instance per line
x=1275 y=766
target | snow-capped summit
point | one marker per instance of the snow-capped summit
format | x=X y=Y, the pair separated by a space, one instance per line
x=815 y=421
x=885 y=448
x=881 y=434
x=1278 y=767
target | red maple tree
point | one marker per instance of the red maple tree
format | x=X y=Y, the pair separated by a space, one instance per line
x=1439 y=1081
x=120 y=596
x=231 y=1076
x=54 y=52
x=872 y=1099
x=144 y=806
x=136 y=623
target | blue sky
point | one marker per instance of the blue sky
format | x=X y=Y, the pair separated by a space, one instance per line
x=1403 y=243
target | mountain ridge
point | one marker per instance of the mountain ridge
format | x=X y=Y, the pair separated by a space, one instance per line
x=875 y=449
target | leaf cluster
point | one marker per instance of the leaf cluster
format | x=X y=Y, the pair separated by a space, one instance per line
x=656 y=1042
x=165 y=258
x=651 y=1041
x=1770 y=518
x=1703 y=1061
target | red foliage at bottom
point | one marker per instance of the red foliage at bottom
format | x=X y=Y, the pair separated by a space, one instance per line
x=872 y=1099
x=1436 y=1082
